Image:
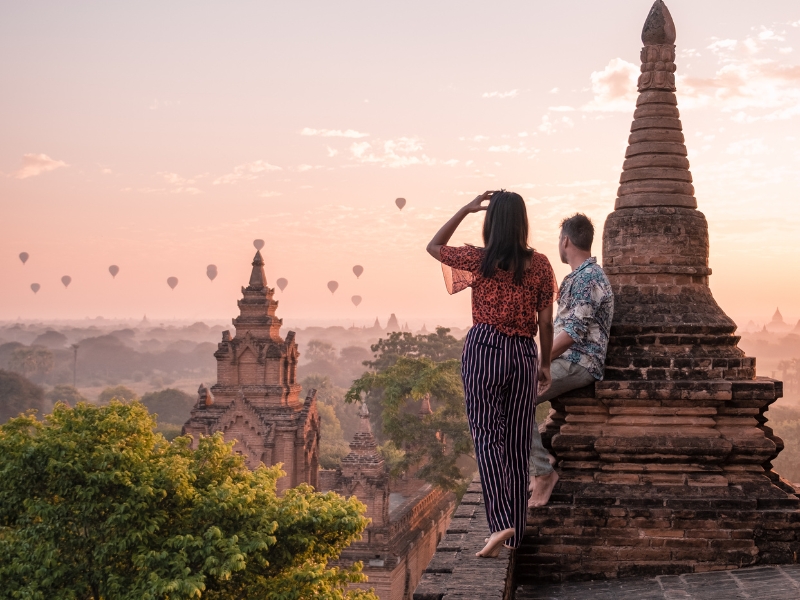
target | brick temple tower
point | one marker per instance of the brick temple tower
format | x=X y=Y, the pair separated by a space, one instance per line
x=256 y=399
x=665 y=465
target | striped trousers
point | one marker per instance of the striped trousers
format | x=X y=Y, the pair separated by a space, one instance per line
x=500 y=375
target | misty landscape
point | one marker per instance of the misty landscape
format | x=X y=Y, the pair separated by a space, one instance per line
x=163 y=364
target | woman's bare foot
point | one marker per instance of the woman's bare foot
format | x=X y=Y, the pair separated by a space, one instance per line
x=493 y=543
x=542 y=489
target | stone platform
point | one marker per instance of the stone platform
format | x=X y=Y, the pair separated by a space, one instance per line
x=615 y=513
x=758 y=583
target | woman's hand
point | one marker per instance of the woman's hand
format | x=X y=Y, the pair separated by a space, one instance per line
x=476 y=204
x=545 y=379
x=448 y=229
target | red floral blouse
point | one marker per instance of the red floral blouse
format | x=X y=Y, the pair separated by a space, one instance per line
x=497 y=300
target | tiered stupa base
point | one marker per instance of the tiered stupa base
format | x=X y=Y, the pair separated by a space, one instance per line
x=650 y=486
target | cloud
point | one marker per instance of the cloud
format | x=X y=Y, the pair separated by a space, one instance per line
x=747 y=147
x=332 y=152
x=180 y=185
x=554 y=90
x=247 y=171
x=36 y=164
x=549 y=126
x=747 y=84
x=347 y=133
x=509 y=94
x=399 y=153
x=614 y=87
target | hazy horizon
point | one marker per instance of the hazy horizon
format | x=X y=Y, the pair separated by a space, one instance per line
x=163 y=138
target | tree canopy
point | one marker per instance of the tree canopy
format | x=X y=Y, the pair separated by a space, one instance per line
x=17 y=395
x=34 y=362
x=64 y=393
x=171 y=405
x=439 y=346
x=120 y=392
x=406 y=370
x=94 y=504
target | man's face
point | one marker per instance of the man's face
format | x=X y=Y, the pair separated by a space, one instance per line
x=562 y=247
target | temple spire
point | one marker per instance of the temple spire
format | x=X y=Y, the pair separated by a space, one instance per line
x=364 y=455
x=659 y=27
x=656 y=170
x=258 y=279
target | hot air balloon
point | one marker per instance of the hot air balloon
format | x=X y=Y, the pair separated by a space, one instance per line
x=113 y=269
x=35 y=287
x=23 y=256
x=356 y=300
x=401 y=202
x=211 y=271
x=332 y=286
x=282 y=283
x=172 y=282
x=358 y=270
x=66 y=280
x=259 y=244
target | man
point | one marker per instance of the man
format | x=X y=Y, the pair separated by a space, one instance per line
x=582 y=327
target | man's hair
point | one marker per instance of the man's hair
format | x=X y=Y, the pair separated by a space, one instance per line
x=580 y=231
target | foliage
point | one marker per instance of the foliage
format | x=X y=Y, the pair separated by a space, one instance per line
x=93 y=504
x=17 y=395
x=319 y=350
x=433 y=442
x=66 y=394
x=333 y=395
x=169 y=430
x=332 y=445
x=439 y=346
x=392 y=456
x=171 y=405
x=120 y=392
x=785 y=422
x=34 y=362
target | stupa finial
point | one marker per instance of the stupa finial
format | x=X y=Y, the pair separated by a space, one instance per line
x=363 y=412
x=258 y=279
x=659 y=28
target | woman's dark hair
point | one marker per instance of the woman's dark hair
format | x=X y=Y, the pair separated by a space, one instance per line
x=505 y=236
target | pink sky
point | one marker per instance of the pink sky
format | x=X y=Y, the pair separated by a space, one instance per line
x=163 y=137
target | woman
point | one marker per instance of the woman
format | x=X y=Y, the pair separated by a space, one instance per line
x=513 y=288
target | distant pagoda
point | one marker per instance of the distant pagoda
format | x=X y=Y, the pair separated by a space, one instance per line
x=256 y=400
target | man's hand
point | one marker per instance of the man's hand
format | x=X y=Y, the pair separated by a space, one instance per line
x=545 y=379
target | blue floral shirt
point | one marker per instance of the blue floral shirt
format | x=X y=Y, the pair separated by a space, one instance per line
x=585 y=310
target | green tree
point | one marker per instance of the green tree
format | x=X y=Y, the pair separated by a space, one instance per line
x=64 y=393
x=434 y=442
x=439 y=346
x=120 y=392
x=333 y=395
x=93 y=504
x=320 y=350
x=171 y=405
x=332 y=445
x=34 y=362
x=17 y=395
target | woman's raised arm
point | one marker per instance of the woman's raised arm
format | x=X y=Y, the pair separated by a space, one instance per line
x=448 y=229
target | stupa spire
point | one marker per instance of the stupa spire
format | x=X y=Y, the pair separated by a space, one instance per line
x=364 y=453
x=258 y=279
x=656 y=170
x=655 y=242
